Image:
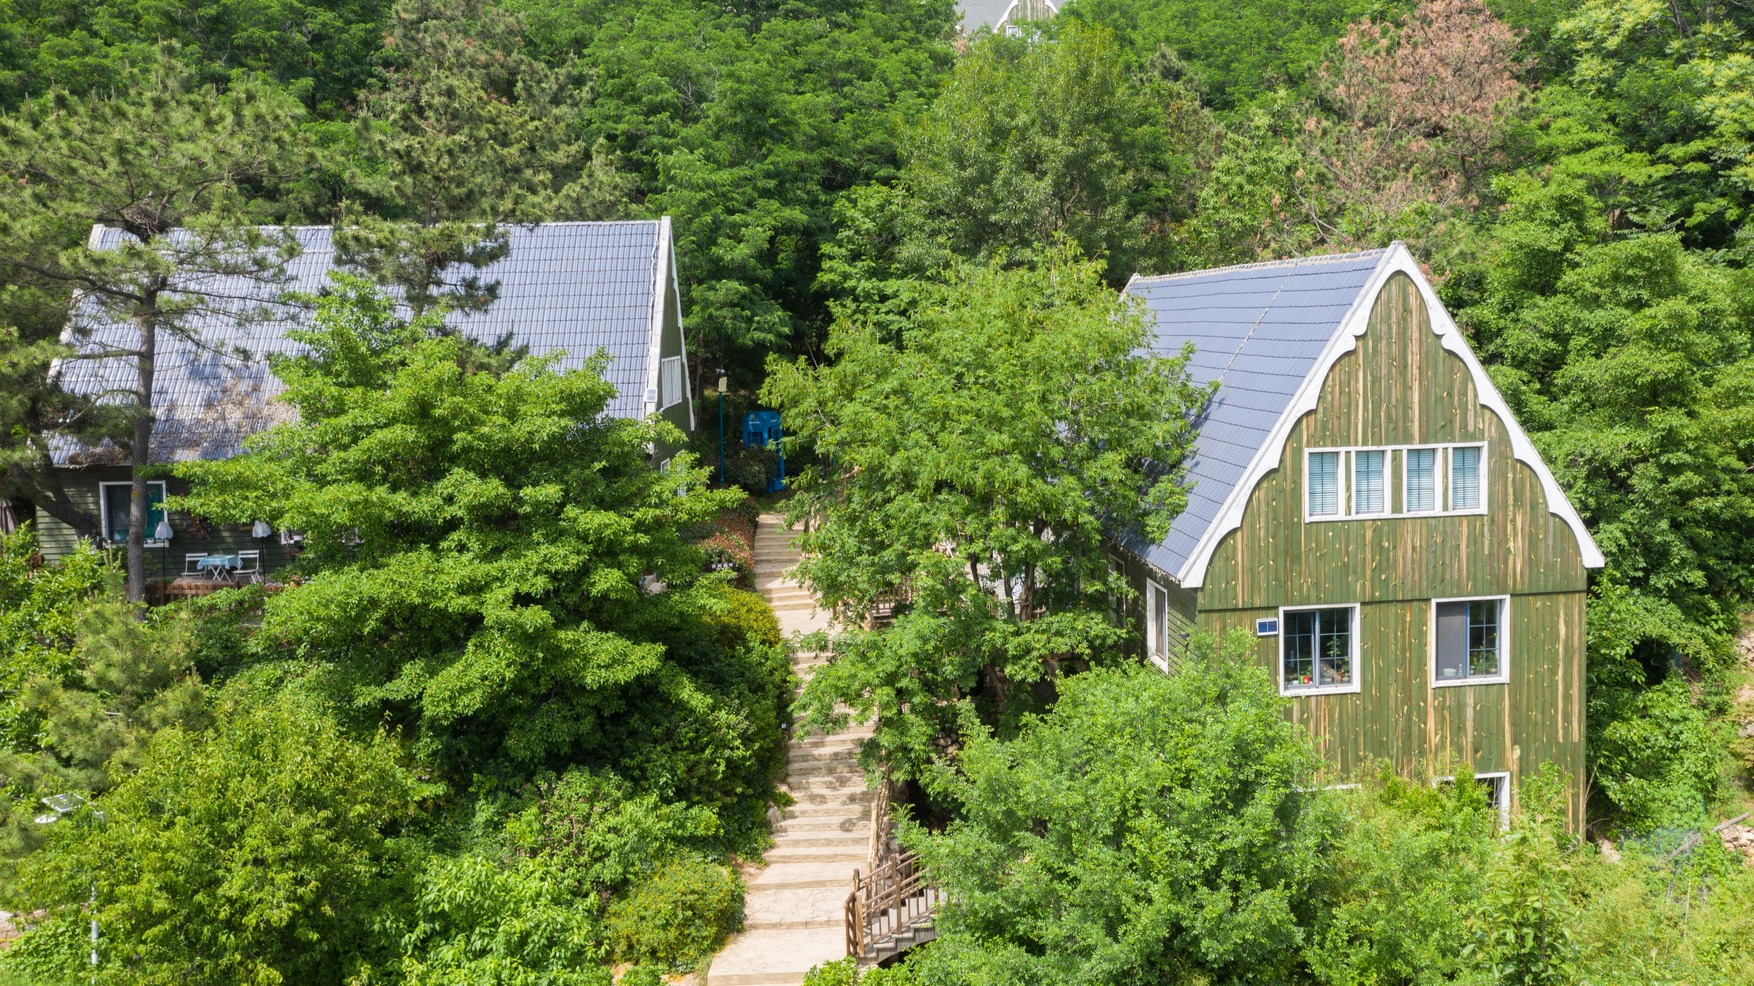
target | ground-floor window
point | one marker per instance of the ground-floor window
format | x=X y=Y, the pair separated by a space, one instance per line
x=1468 y=637
x=1318 y=649
x=1157 y=624
x=1496 y=786
x=113 y=505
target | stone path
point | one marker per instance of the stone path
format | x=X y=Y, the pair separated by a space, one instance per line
x=794 y=911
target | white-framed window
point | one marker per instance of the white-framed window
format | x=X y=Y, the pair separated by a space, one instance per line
x=1467 y=479
x=1370 y=482
x=1325 y=497
x=1346 y=483
x=1318 y=649
x=1419 y=486
x=1496 y=785
x=1157 y=624
x=1470 y=641
x=113 y=501
x=670 y=382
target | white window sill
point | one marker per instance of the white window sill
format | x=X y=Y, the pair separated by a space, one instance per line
x=1327 y=518
x=1299 y=691
x=1464 y=682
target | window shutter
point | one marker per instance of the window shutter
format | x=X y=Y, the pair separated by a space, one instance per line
x=1452 y=641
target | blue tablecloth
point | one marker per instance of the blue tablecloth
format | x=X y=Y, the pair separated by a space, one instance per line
x=219 y=561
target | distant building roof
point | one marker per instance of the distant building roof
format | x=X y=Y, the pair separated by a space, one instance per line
x=1258 y=330
x=1267 y=334
x=577 y=287
x=997 y=14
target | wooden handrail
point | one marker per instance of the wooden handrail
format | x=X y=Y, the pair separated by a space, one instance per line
x=896 y=897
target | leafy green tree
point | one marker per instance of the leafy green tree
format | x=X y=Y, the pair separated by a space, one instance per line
x=746 y=124
x=1149 y=829
x=1233 y=51
x=475 y=543
x=480 y=922
x=976 y=465
x=39 y=617
x=94 y=720
x=264 y=851
x=1396 y=880
x=1035 y=140
x=464 y=130
x=164 y=154
x=320 y=51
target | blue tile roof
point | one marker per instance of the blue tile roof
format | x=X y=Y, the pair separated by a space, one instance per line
x=1258 y=330
x=572 y=287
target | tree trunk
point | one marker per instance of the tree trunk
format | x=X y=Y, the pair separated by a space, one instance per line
x=141 y=454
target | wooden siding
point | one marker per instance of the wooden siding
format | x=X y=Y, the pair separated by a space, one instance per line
x=1400 y=387
x=57 y=539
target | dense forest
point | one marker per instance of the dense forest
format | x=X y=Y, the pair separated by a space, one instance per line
x=402 y=771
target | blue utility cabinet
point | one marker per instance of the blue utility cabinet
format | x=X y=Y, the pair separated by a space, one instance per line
x=761 y=429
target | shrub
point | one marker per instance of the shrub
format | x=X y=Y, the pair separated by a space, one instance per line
x=747 y=619
x=679 y=916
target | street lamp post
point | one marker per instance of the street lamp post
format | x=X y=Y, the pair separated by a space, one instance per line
x=722 y=385
x=163 y=535
x=63 y=804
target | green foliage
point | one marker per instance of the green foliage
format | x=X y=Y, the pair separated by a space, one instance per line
x=678 y=915
x=747 y=618
x=1013 y=419
x=481 y=922
x=1149 y=829
x=1032 y=141
x=39 y=612
x=746 y=125
x=474 y=541
x=1232 y=51
x=321 y=50
x=1410 y=855
x=275 y=835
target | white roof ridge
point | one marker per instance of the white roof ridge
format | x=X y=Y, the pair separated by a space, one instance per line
x=1318 y=258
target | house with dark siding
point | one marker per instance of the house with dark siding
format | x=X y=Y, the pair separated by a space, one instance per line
x=1365 y=507
x=576 y=288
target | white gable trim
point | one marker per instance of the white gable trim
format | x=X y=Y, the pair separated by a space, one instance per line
x=1266 y=459
x=655 y=351
x=681 y=333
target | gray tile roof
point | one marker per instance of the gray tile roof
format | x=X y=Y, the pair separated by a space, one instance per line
x=977 y=14
x=1258 y=330
x=577 y=287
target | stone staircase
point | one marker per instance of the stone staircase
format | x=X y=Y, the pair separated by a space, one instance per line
x=794 y=913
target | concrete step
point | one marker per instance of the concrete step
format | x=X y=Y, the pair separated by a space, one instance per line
x=825 y=811
x=827 y=771
x=809 y=826
x=849 y=855
x=795 y=875
x=847 y=842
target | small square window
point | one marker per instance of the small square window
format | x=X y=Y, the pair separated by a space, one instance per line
x=114 y=507
x=1468 y=639
x=1317 y=649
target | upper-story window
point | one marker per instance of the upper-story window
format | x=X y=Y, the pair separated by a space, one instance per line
x=670 y=389
x=1394 y=481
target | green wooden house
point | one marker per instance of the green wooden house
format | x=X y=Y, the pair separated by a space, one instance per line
x=1366 y=508
x=572 y=287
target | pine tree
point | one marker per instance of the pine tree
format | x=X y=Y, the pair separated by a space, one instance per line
x=181 y=169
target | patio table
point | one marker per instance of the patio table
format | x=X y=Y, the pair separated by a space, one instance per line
x=217 y=565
